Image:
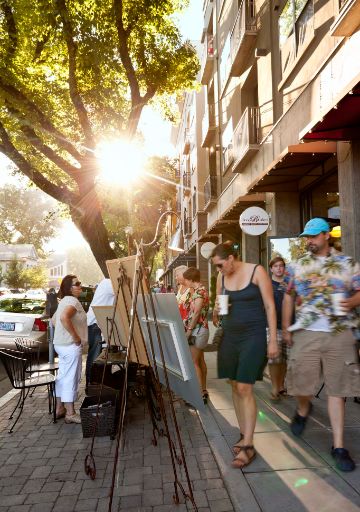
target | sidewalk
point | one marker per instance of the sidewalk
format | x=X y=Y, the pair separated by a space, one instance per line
x=42 y=464
x=289 y=474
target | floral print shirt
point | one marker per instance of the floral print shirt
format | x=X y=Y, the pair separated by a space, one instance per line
x=311 y=280
x=199 y=293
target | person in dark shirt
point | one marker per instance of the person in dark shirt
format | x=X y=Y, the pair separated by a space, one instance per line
x=277 y=366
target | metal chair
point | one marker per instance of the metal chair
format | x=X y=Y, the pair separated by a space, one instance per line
x=31 y=349
x=16 y=366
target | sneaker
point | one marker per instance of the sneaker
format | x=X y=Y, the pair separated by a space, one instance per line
x=298 y=422
x=343 y=461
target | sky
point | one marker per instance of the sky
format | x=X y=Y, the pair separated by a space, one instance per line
x=155 y=130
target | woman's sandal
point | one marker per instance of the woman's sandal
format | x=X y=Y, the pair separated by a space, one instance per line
x=275 y=397
x=239 y=463
x=237 y=445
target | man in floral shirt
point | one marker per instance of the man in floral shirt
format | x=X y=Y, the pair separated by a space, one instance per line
x=322 y=342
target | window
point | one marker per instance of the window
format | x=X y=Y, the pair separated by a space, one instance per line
x=296 y=29
x=227 y=145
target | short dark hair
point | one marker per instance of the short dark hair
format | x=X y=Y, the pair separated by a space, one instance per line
x=276 y=259
x=66 y=285
x=224 y=250
x=192 y=274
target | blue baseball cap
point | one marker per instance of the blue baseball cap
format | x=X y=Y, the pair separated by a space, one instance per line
x=315 y=226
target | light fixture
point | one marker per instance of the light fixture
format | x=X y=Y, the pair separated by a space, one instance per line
x=177 y=241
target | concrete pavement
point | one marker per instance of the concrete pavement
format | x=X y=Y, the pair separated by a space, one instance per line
x=289 y=474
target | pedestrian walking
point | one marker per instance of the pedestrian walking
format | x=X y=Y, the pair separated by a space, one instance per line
x=325 y=287
x=183 y=292
x=242 y=354
x=277 y=366
x=197 y=328
x=103 y=296
x=70 y=332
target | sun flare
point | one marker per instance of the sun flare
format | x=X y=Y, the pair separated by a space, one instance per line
x=121 y=162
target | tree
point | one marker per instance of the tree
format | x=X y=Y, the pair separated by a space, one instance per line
x=37 y=223
x=34 y=277
x=73 y=72
x=13 y=275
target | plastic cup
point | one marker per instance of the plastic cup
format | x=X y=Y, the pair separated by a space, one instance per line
x=335 y=299
x=223 y=301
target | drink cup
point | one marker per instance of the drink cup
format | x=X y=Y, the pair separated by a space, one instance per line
x=335 y=299
x=223 y=301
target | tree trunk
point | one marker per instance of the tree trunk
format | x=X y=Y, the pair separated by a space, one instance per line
x=88 y=219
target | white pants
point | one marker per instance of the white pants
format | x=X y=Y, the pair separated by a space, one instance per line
x=69 y=374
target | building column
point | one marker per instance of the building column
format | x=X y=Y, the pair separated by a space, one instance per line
x=203 y=265
x=285 y=214
x=348 y=156
x=250 y=248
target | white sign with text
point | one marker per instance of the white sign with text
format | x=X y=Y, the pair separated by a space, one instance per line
x=254 y=221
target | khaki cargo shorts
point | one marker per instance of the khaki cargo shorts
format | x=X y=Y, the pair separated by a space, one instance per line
x=317 y=357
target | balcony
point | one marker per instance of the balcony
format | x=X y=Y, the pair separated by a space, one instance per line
x=186 y=183
x=209 y=125
x=347 y=21
x=210 y=191
x=187 y=227
x=246 y=138
x=207 y=63
x=187 y=142
x=243 y=37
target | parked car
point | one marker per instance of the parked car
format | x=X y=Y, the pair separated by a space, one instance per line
x=22 y=317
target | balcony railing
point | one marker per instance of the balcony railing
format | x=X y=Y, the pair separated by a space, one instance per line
x=194 y=204
x=210 y=191
x=246 y=138
x=243 y=37
x=209 y=124
x=207 y=63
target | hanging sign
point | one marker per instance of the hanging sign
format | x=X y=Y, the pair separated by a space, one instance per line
x=254 y=221
x=207 y=249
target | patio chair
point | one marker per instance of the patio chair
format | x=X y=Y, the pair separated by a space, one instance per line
x=16 y=368
x=31 y=350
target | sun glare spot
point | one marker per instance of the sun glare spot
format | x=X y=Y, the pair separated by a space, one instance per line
x=121 y=162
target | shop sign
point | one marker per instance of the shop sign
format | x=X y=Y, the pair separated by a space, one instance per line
x=254 y=221
x=207 y=249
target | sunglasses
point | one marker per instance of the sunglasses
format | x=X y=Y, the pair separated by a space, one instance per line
x=219 y=265
x=78 y=283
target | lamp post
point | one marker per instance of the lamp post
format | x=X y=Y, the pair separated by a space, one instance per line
x=176 y=243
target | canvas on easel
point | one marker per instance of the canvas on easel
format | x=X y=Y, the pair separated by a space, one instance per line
x=123 y=309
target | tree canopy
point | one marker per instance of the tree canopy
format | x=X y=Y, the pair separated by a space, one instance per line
x=27 y=217
x=73 y=72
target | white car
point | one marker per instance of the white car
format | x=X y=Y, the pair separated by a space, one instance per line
x=22 y=317
x=36 y=293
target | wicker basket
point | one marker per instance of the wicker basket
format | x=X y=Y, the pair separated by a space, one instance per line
x=106 y=417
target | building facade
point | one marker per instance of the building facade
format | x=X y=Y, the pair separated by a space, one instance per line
x=276 y=124
x=25 y=253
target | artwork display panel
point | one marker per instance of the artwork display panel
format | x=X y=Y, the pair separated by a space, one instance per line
x=178 y=361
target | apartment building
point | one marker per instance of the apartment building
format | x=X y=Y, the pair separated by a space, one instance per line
x=276 y=124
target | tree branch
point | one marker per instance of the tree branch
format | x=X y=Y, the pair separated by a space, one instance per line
x=125 y=54
x=73 y=86
x=62 y=193
x=37 y=143
x=45 y=123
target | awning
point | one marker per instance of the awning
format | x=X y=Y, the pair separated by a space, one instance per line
x=183 y=259
x=303 y=162
x=231 y=215
x=341 y=122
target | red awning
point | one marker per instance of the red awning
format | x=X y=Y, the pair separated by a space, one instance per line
x=342 y=122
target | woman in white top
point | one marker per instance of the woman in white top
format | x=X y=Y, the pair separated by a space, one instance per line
x=70 y=332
